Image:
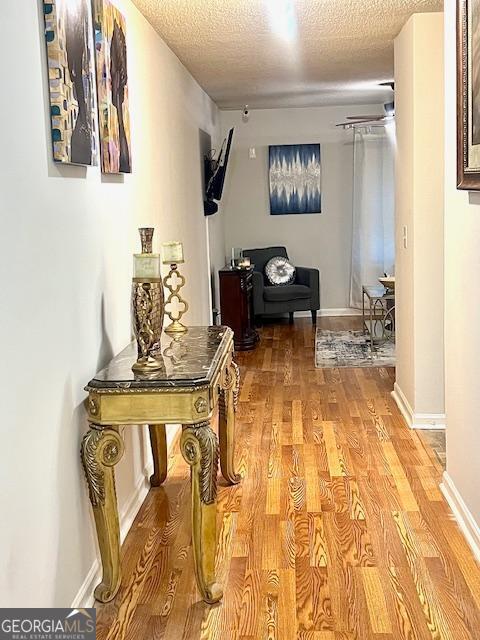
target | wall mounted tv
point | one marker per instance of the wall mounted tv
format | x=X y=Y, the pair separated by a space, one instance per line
x=215 y=170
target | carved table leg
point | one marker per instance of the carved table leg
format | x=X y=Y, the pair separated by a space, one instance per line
x=158 y=441
x=101 y=449
x=227 y=405
x=200 y=449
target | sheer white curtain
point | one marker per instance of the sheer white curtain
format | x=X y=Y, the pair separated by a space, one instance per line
x=373 y=239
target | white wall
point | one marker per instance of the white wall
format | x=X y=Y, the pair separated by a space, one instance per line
x=215 y=225
x=216 y=242
x=66 y=240
x=462 y=308
x=322 y=241
x=419 y=206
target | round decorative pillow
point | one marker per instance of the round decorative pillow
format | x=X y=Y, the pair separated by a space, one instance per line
x=279 y=271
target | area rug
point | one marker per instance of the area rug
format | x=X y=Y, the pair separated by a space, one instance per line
x=350 y=349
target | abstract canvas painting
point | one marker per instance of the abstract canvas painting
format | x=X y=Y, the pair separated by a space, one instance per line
x=295 y=179
x=112 y=87
x=68 y=33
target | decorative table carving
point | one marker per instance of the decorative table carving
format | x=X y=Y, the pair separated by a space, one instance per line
x=195 y=377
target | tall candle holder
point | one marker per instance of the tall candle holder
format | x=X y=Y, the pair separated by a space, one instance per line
x=147 y=303
x=174 y=281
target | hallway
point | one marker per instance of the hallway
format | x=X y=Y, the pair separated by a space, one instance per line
x=338 y=530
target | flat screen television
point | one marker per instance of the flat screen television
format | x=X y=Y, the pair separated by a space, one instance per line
x=215 y=171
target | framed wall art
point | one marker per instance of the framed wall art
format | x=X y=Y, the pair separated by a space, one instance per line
x=295 y=179
x=112 y=87
x=468 y=94
x=68 y=34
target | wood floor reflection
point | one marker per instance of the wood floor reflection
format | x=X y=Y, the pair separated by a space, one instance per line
x=338 y=530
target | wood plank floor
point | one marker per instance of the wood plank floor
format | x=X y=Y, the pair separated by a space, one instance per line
x=338 y=530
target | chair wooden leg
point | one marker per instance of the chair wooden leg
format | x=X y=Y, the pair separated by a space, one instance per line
x=291 y=317
x=314 y=317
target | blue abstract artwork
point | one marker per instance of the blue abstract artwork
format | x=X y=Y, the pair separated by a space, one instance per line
x=295 y=179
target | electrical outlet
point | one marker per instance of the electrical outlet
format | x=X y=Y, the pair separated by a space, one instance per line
x=405 y=236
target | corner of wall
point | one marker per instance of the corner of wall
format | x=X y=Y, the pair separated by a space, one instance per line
x=416 y=420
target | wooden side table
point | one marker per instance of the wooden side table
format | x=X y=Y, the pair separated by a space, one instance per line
x=236 y=306
x=198 y=375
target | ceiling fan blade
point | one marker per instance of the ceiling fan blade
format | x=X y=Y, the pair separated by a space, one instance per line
x=374 y=117
x=352 y=123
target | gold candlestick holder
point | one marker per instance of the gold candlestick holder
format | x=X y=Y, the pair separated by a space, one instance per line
x=174 y=281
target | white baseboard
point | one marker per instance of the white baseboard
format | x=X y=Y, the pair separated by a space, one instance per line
x=466 y=522
x=417 y=420
x=84 y=598
x=329 y=312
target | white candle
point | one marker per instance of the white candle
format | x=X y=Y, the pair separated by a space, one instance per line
x=146 y=265
x=172 y=252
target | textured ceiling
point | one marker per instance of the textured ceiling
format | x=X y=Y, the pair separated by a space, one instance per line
x=340 y=52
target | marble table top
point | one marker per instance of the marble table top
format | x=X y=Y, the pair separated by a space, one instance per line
x=190 y=359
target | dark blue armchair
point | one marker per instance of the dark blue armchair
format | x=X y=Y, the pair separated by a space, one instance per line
x=301 y=295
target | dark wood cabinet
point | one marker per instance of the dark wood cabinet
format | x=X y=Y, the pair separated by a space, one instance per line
x=236 y=306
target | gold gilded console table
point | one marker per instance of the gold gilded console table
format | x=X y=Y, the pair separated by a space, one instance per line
x=198 y=374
